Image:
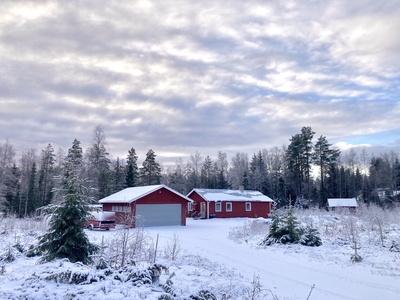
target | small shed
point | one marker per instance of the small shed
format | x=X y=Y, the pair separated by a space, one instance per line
x=145 y=206
x=343 y=204
x=218 y=203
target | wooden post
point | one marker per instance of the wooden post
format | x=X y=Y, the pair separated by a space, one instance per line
x=155 y=251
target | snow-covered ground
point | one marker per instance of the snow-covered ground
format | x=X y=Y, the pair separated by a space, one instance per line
x=224 y=257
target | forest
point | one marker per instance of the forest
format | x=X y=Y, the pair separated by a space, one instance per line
x=305 y=173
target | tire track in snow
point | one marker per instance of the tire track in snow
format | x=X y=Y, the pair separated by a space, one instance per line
x=274 y=274
x=239 y=258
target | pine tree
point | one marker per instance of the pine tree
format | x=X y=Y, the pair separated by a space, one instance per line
x=323 y=157
x=299 y=158
x=65 y=237
x=150 y=173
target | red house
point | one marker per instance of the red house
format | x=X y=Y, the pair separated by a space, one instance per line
x=210 y=203
x=145 y=206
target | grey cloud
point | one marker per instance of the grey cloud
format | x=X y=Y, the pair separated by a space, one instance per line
x=178 y=76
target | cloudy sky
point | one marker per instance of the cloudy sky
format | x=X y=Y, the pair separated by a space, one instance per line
x=183 y=76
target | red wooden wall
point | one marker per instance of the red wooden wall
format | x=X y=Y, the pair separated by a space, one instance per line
x=160 y=196
x=258 y=209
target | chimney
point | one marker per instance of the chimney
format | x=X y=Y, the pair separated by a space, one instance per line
x=241 y=188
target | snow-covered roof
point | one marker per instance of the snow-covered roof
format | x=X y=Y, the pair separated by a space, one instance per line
x=132 y=194
x=231 y=195
x=344 y=202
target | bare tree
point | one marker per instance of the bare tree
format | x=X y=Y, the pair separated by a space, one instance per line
x=239 y=169
x=193 y=168
x=99 y=162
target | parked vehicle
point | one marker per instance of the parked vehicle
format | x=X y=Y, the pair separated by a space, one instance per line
x=101 y=220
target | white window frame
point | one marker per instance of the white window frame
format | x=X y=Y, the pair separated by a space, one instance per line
x=218 y=204
x=248 y=204
x=228 y=204
x=190 y=206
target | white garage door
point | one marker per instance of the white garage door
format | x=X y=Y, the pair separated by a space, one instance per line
x=158 y=215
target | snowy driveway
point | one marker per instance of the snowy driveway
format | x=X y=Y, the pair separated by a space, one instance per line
x=288 y=271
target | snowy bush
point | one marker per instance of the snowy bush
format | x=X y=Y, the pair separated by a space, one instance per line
x=310 y=237
x=394 y=247
x=33 y=251
x=129 y=244
x=203 y=295
x=19 y=247
x=10 y=254
x=173 y=248
x=285 y=229
x=248 y=230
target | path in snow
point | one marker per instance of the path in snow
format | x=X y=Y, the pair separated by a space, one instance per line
x=287 y=274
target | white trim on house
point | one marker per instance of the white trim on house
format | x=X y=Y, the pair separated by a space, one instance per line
x=228 y=206
x=218 y=206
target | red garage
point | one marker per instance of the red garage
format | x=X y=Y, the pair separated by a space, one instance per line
x=229 y=203
x=145 y=206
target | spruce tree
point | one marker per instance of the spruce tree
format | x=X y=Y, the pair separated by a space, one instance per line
x=66 y=237
x=285 y=229
x=311 y=237
x=131 y=176
x=150 y=173
x=118 y=176
x=276 y=222
x=13 y=191
x=290 y=231
x=32 y=199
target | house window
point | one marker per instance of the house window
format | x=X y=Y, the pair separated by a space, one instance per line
x=248 y=206
x=228 y=206
x=119 y=208
x=190 y=207
x=217 y=206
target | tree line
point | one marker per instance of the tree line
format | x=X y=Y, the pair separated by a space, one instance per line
x=305 y=172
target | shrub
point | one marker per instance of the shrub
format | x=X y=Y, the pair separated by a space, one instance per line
x=203 y=295
x=285 y=229
x=310 y=237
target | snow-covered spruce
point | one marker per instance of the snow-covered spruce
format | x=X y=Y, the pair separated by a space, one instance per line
x=65 y=237
x=285 y=229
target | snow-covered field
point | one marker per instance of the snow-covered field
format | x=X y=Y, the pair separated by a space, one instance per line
x=222 y=256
